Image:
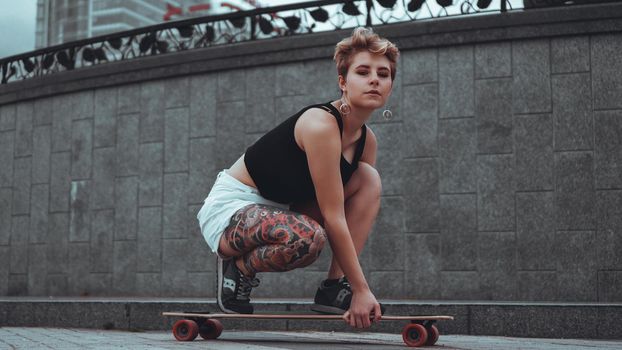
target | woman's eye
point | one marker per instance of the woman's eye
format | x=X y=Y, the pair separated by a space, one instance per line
x=362 y=72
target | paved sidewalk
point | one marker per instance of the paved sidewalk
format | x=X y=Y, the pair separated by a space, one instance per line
x=515 y=319
x=67 y=338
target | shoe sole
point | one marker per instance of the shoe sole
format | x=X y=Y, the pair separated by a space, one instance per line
x=220 y=282
x=332 y=310
x=325 y=309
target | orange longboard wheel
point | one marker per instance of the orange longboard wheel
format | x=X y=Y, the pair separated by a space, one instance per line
x=433 y=335
x=185 y=330
x=210 y=329
x=414 y=335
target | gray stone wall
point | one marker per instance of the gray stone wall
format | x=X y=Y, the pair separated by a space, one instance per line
x=502 y=168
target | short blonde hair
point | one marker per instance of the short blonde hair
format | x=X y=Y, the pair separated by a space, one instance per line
x=364 y=39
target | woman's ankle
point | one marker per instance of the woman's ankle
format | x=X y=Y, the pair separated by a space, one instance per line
x=239 y=262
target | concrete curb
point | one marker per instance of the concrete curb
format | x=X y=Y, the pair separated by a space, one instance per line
x=542 y=320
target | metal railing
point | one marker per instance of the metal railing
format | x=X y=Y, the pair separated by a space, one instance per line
x=260 y=23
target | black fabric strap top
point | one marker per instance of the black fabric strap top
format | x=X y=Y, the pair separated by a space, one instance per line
x=279 y=167
x=360 y=146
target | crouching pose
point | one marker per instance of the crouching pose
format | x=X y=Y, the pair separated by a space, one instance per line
x=309 y=180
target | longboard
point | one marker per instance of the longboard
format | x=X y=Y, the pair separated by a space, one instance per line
x=419 y=332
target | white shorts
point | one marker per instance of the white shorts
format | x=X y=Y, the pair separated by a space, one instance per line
x=227 y=197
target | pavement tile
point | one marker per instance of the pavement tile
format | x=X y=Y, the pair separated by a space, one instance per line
x=64 y=338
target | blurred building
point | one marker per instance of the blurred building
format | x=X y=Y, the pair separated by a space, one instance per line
x=209 y=7
x=60 y=21
x=550 y=3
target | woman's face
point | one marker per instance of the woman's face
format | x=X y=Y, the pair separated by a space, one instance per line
x=368 y=83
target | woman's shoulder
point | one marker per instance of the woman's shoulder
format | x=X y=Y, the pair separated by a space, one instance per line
x=315 y=125
x=317 y=119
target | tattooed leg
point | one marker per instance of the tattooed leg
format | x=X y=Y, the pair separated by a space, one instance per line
x=269 y=239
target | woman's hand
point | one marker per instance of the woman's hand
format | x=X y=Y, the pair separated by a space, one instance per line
x=363 y=307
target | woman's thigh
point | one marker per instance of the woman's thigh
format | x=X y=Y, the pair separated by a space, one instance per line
x=365 y=177
x=259 y=225
x=309 y=208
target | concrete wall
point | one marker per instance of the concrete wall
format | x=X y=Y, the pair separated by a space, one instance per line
x=502 y=168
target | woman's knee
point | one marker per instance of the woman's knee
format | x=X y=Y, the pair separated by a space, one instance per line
x=293 y=226
x=366 y=178
x=312 y=230
x=302 y=241
x=311 y=242
x=318 y=241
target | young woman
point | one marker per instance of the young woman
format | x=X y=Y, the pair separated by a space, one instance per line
x=310 y=179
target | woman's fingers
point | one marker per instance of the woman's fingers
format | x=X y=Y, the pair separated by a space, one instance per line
x=366 y=321
x=377 y=313
x=362 y=320
x=359 y=322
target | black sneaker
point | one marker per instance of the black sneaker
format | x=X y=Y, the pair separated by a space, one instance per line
x=234 y=289
x=334 y=297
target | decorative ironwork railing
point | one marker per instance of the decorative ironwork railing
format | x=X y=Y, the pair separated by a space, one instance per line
x=240 y=26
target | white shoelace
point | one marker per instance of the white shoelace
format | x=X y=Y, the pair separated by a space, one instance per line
x=246 y=286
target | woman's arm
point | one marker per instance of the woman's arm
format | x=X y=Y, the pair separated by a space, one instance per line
x=319 y=136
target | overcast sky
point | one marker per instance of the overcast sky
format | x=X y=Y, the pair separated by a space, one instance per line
x=17 y=26
x=18 y=18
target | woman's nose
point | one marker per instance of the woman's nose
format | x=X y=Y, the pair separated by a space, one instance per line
x=374 y=79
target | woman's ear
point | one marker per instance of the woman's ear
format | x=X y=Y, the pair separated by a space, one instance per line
x=342 y=83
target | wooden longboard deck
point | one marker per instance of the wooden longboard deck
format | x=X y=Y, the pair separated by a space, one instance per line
x=301 y=316
x=419 y=331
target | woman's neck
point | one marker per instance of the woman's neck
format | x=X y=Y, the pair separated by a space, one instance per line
x=353 y=121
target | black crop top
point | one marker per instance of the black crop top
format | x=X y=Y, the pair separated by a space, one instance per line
x=279 y=167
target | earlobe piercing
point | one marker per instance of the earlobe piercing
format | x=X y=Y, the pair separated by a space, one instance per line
x=344 y=108
x=387 y=114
